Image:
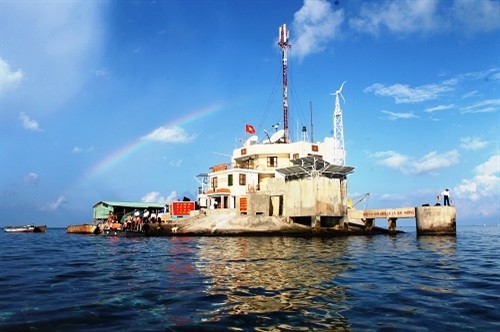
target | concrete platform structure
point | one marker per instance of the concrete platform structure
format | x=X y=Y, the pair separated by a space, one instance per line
x=430 y=220
x=436 y=220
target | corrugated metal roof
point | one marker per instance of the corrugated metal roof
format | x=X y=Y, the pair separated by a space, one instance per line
x=303 y=167
x=139 y=205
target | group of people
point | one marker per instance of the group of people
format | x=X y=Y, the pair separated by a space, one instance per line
x=133 y=222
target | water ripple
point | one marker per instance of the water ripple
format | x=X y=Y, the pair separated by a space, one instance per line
x=97 y=283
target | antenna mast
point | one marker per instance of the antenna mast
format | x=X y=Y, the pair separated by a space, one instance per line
x=283 y=44
x=338 y=130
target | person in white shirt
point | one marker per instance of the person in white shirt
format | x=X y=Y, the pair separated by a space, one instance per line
x=446 y=197
x=145 y=216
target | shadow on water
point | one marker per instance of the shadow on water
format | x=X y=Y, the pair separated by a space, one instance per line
x=443 y=245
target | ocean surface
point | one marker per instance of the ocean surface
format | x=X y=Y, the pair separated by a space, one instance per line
x=61 y=282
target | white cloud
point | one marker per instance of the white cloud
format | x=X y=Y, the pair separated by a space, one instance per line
x=155 y=197
x=472 y=143
x=78 y=149
x=492 y=74
x=29 y=123
x=402 y=16
x=31 y=178
x=439 y=108
x=404 y=94
x=64 y=38
x=490 y=167
x=485 y=106
x=175 y=163
x=53 y=206
x=398 y=116
x=171 y=135
x=391 y=159
x=8 y=78
x=477 y=15
x=470 y=94
x=484 y=185
x=480 y=196
x=102 y=72
x=434 y=161
x=410 y=16
x=315 y=24
x=413 y=166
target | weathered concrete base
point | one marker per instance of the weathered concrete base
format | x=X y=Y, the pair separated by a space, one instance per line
x=231 y=224
x=436 y=220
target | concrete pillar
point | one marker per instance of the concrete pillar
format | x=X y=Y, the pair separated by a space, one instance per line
x=391 y=225
x=344 y=222
x=436 y=220
x=369 y=223
x=316 y=222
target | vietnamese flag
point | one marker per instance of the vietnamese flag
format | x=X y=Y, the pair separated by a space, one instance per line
x=249 y=129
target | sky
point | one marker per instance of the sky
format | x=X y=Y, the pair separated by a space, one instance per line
x=130 y=100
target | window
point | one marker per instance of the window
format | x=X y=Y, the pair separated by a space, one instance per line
x=272 y=161
x=230 y=180
x=295 y=156
x=213 y=182
x=243 y=179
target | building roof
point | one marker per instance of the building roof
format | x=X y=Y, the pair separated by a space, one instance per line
x=138 y=205
x=303 y=167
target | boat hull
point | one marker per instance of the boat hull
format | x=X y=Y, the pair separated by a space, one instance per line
x=19 y=229
x=25 y=229
x=40 y=229
x=83 y=229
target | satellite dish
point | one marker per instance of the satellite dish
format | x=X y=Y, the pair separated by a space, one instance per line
x=252 y=140
x=277 y=136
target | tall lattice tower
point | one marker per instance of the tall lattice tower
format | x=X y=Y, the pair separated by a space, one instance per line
x=338 y=130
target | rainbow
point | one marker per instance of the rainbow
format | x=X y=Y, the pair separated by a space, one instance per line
x=125 y=151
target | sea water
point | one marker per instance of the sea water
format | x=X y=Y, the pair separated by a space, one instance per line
x=55 y=281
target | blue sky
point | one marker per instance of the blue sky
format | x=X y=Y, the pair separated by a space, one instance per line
x=129 y=100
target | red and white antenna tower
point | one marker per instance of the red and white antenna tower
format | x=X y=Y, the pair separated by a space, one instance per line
x=283 y=43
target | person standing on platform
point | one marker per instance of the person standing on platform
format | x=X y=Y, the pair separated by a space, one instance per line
x=446 y=197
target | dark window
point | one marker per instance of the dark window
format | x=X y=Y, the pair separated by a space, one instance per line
x=272 y=161
x=230 y=179
x=243 y=179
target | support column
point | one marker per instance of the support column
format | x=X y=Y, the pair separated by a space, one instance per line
x=316 y=222
x=369 y=223
x=344 y=220
x=391 y=225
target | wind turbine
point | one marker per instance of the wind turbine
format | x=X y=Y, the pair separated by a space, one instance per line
x=338 y=129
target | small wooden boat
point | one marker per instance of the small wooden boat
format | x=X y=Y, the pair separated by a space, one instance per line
x=25 y=229
x=83 y=229
x=40 y=229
